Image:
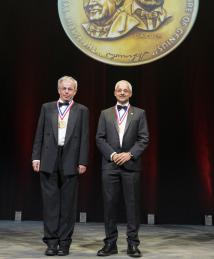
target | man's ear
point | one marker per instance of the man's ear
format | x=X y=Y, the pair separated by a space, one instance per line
x=75 y=93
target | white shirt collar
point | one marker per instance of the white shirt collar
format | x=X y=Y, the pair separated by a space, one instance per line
x=61 y=101
x=124 y=104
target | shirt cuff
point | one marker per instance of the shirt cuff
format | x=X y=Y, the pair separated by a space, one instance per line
x=111 y=156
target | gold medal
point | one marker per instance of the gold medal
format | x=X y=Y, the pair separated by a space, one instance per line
x=61 y=124
x=134 y=32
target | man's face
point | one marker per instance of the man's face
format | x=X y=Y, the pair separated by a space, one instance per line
x=122 y=92
x=150 y=4
x=98 y=10
x=67 y=90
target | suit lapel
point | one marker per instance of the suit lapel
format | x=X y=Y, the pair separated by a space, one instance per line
x=73 y=114
x=114 y=119
x=54 y=119
x=129 y=118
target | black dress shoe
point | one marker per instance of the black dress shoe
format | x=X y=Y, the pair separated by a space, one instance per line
x=63 y=250
x=133 y=251
x=50 y=251
x=108 y=249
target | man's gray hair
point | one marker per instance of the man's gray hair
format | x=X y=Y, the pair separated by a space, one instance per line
x=128 y=84
x=68 y=78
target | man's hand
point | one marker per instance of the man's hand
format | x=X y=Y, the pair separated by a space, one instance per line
x=121 y=158
x=82 y=169
x=36 y=165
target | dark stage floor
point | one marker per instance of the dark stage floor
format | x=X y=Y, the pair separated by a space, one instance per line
x=23 y=240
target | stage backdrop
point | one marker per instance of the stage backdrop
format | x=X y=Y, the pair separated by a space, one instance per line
x=177 y=93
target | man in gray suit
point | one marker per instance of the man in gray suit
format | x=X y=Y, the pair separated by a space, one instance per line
x=122 y=136
x=60 y=155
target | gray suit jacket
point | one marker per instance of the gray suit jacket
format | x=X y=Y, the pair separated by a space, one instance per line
x=135 y=139
x=75 y=151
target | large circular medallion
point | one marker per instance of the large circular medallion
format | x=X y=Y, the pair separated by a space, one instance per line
x=127 y=32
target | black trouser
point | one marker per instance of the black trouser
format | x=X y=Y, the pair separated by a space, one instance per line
x=59 y=195
x=115 y=181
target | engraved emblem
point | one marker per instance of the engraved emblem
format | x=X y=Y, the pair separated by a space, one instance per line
x=107 y=19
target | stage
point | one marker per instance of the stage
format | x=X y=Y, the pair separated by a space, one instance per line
x=23 y=240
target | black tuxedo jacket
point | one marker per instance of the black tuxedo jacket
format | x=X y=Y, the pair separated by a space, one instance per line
x=75 y=151
x=135 y=139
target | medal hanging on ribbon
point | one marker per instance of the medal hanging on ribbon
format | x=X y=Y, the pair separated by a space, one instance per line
x=120 y=120
x=61 y=124
x=61 y=115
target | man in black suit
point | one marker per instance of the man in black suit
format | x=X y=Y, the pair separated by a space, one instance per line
x=60 y=155
x=122 y=136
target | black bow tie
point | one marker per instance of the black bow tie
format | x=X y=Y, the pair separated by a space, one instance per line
x=120 y=107
x=65 y=103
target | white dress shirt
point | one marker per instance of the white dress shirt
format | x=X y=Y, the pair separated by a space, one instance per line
x=122 y=125
x=62 y=131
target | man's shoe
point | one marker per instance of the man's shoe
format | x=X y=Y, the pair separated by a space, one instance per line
x=133 y=251
x=63 y=250
x=51 y=250
x=108 y=249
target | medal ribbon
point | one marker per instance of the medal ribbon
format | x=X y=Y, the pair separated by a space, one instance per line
x=62 y=114
x=120 y=120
